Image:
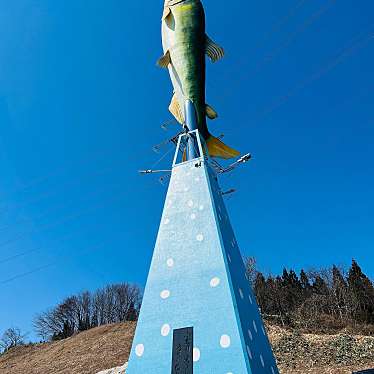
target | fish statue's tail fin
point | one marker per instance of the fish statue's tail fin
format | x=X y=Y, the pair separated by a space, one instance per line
x=217 y=148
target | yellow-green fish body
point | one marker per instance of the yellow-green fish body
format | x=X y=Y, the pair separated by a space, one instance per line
x=185 y=45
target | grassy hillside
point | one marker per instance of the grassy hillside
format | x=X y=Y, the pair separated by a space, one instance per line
x=109 y=346
x=88 y=352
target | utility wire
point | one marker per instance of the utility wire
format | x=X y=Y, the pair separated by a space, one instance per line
x=275 y=28
x=70 y=183
x=241 y=78
x=34 y=250
x=59 y=222
x=344 y=54
x=58 y=171
x=46 y=213
x=44 y=267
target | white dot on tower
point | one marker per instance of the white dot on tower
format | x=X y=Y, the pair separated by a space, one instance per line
x=225 y=341
x=170 y=262
x=165 y=330
x=215 y=282
x=165 y=294
x=139 y=350
x=200 y=237
x=196 y=354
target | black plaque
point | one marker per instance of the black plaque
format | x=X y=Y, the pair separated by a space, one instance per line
x=182 y=362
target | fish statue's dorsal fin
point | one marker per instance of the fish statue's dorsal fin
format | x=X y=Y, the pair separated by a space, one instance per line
x=213 y=50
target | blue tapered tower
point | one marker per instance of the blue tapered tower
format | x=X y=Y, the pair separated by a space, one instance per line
x=199 y=314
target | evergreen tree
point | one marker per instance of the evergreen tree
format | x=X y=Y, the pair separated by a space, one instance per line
x=260 y=291
x=291 y=288
x=306 y=288
x=320 y=286
x=304 y=280
x=361 y=291
x=339 y=293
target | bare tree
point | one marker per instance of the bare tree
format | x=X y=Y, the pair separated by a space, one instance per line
x=112 y=304
x=250 y=269
x=11 y=338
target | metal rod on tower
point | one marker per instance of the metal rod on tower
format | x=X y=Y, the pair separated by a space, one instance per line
x=191 y=123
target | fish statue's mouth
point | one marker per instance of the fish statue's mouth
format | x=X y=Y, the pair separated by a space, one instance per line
x=174 y=2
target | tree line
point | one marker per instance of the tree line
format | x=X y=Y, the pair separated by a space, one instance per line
x=112 y=304
x=327 y=298
x=314 y=300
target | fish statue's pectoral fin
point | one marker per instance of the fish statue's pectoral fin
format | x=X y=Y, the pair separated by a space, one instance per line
x=216 y=148
x=175 y=109
x=213 y=50
x=210 y=112
x=165 y=60
x=167 y=16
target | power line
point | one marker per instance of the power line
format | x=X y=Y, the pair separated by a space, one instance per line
x=276 y=27
x=240 y=78
x=58 y=171
x=345 y=53
x=59 y=222
x=34 y=250
x=45 y=214
x=70 y=183
x=43 y=267
x=22 y=275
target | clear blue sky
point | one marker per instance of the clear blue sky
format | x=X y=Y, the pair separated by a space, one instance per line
x=81 y=104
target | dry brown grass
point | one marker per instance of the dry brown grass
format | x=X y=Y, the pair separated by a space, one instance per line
x=86 y=353
x=109 y=346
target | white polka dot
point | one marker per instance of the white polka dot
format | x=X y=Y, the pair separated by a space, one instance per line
x=249 y=352
x=167 y=221
x=250 y=299
x=193 y=216
x=139 y=350
x=200 y=237
x=272 y=370
x=241 y=293
x=215 y=282
x=190 y=203
x=165 y=294
x=201 y=207
x=250 y=334
x=196 y=354
x=255 y=326
x=170 y=262
x=262 y=361
x=225 y=341
x=165 y=330
x=229 y=257
x=197 y=179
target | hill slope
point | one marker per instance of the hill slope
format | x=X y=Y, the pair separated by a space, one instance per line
x=86 y=353
x=108 y=346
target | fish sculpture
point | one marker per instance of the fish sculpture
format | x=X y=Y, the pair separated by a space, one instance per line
x=185 y=46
